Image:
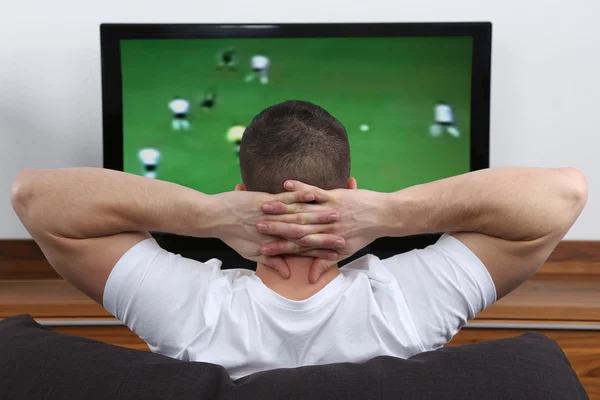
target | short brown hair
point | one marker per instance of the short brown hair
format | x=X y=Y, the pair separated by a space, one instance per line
x=294 y=140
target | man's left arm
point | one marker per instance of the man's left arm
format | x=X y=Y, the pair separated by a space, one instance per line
x=86 y=219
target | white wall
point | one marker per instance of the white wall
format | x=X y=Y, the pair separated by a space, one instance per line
x=545 y=76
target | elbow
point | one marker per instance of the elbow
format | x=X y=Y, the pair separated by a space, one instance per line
x=573 y=197
x=577 y=188
x=22 y=194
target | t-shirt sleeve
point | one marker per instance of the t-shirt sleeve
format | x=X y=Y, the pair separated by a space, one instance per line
x=157 y=294
x=444 y=285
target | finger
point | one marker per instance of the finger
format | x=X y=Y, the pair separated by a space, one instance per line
x=280 y=247
x=318 y=268
x=297 y=196
x=324 y=241
x=320 y=253
x=278 y=207
x=287 y=230
x=321 y=195
x=277 y=263
x=306 y=218
x=321 y=241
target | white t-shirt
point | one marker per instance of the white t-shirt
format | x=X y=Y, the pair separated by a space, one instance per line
x=400 y=306
x=260 y=62
x=179 y=106
x=444 y=114
x=149 y=156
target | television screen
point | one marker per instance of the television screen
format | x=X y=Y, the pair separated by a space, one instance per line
x=414 y=98
x=405 y=103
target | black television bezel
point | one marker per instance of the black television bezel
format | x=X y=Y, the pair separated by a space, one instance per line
x=112 y=100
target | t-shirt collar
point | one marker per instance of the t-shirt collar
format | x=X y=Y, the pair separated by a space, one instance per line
x=267 y=296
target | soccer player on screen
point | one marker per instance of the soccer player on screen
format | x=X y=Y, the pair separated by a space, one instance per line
x=149 y=158
x=234 y=136
x=209 y=100
x=260 y=69
x=227 y=59
x=180 y=108
x=444 y=120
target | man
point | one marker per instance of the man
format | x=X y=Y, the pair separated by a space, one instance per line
x=227 y=59
x=149 y=158
x=444 y=120
x=260 y=69
x=208 y=101
x=298 y=308
x=179 y=108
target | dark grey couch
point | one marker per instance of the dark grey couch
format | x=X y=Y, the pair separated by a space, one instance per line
x=37 y=363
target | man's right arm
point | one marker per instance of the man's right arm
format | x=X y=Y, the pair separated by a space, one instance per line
x=510 y=218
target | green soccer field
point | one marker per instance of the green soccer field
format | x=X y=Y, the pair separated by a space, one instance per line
x=389 y=84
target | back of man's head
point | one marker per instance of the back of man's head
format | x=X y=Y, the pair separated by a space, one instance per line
x=294 y=140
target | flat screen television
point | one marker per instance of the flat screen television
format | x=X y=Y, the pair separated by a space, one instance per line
x=414 y=98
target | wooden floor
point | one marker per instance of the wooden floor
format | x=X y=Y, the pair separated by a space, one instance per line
x=556 y=297
x=545 y=303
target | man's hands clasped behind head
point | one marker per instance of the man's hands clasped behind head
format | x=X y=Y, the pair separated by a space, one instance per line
x=357 y=219
x=313 y=225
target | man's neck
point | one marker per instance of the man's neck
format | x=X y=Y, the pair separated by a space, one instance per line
x=297 y=286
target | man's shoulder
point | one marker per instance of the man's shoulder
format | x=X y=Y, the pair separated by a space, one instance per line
x=368 y=265
x=237 y=273
x=211 y=269
x=387 y=269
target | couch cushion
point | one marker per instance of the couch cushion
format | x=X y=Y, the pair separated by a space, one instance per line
x=37 y=363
